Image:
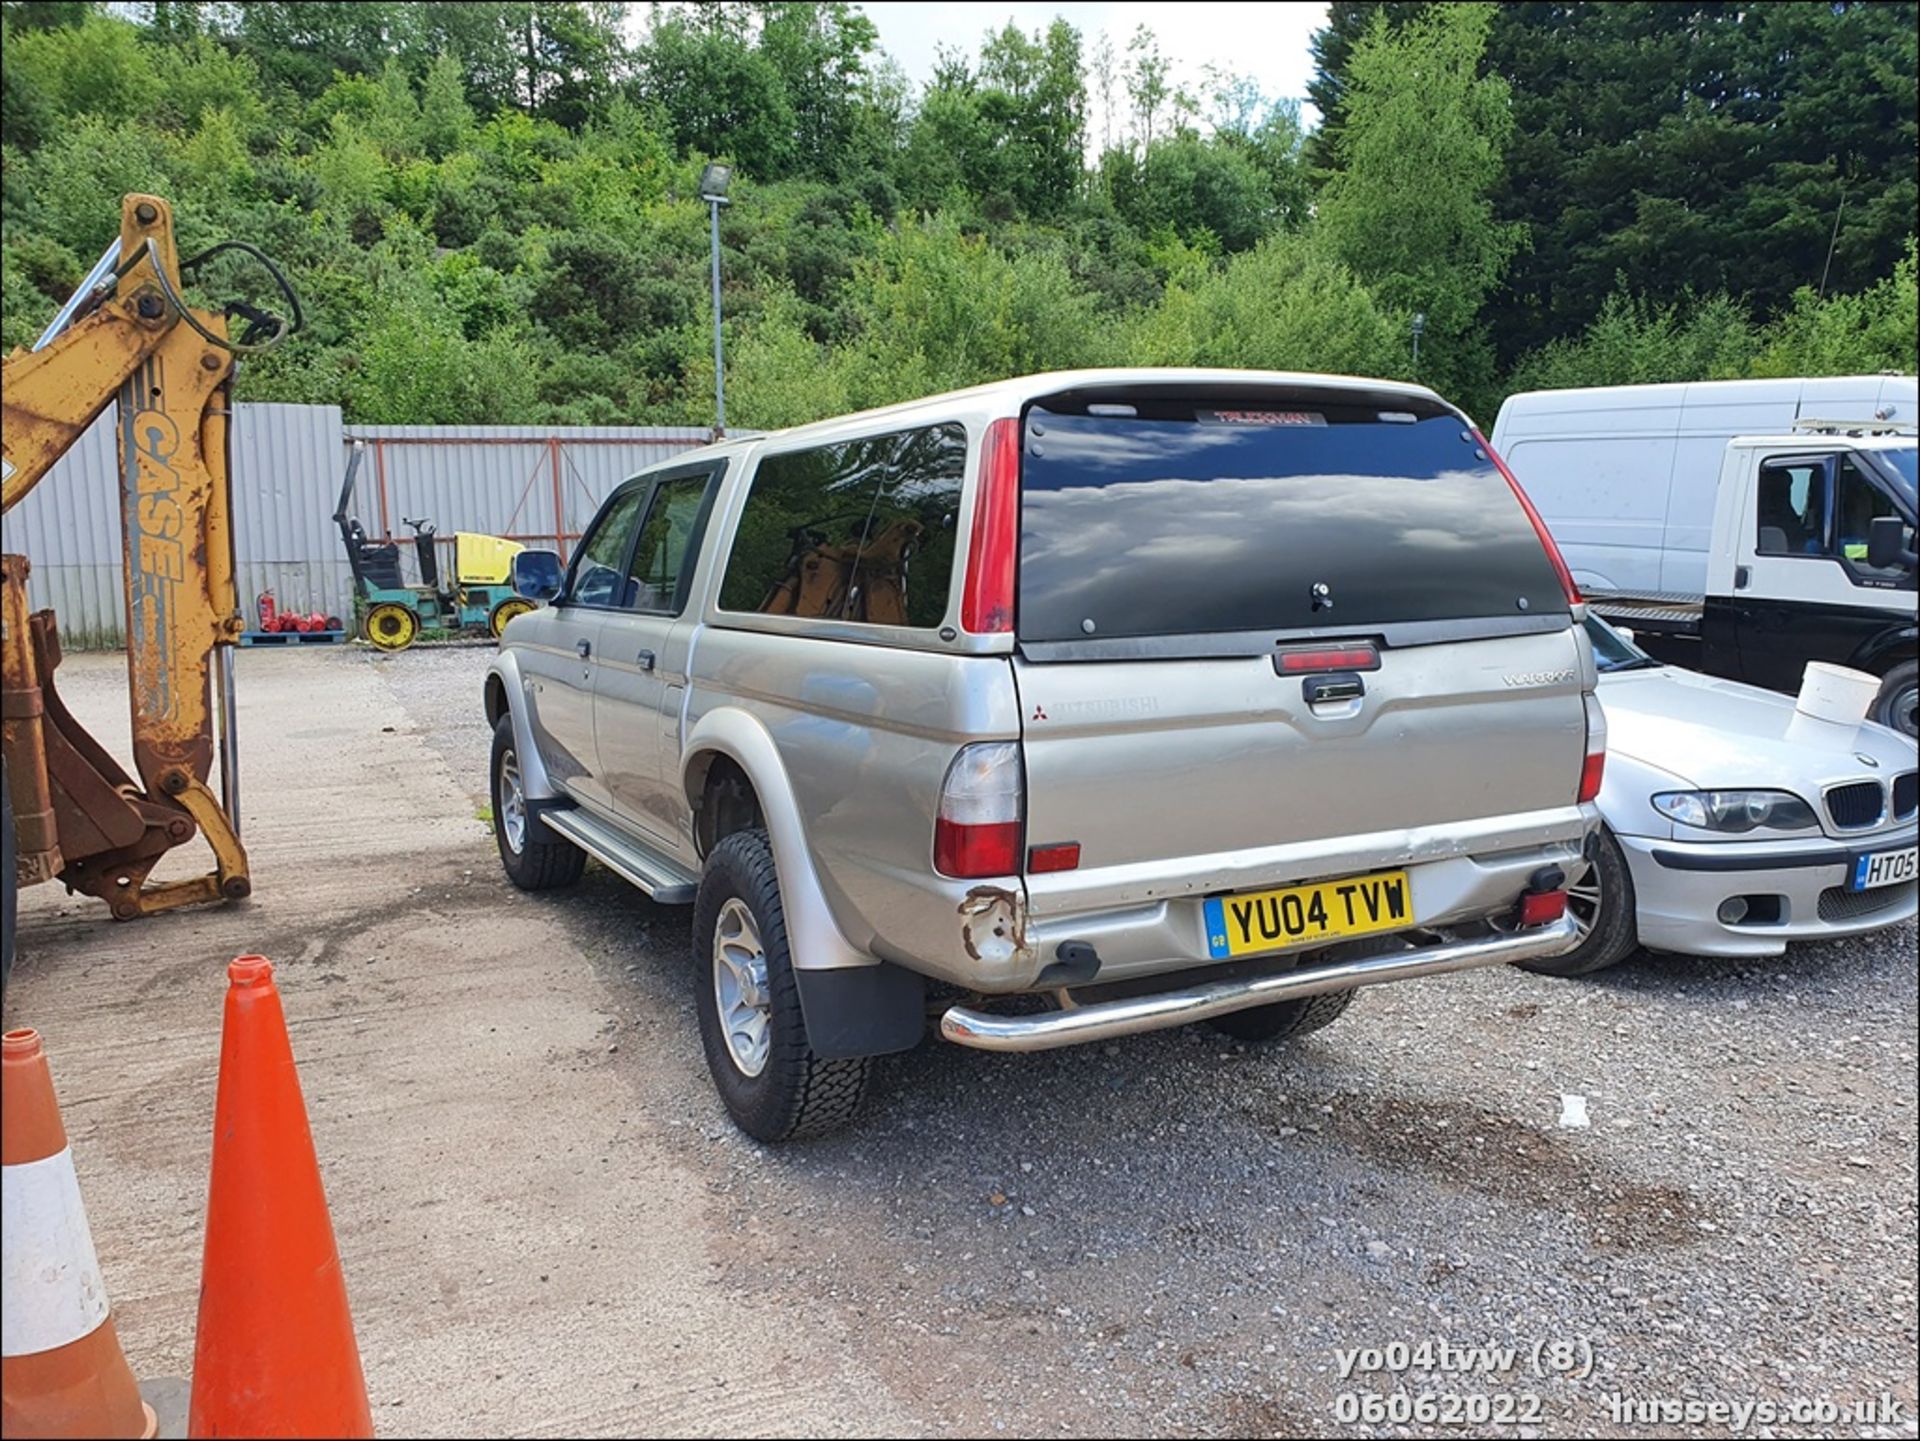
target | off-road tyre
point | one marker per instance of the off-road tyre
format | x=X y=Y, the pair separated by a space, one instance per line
x=796 y=1093
x=1284 y=1020
x=542 y=861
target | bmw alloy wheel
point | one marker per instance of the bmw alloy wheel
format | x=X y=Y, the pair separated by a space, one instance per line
x=1583 y=902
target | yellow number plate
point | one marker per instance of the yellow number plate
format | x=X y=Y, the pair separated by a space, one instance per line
x=1304 y=915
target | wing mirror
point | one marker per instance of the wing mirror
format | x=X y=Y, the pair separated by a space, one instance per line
x=537 y=574
x=1887 y=543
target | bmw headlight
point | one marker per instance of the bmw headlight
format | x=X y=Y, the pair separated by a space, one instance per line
x=1736 y=812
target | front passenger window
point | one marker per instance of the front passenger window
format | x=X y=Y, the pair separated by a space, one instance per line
x=654 y=581
x=1860 y=503
x=602 y=561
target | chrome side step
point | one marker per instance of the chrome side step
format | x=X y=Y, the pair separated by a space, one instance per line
x=665 y=881
x=1107 y=1019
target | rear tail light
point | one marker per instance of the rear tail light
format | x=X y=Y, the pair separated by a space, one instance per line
x=986 y=601
x=1537 y=908
x=1593 y=767
x=1539 y=526
x=982 y=815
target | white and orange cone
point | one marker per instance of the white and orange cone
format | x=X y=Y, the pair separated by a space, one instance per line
x=62 y=1372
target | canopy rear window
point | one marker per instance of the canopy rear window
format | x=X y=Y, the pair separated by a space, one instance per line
x=1186 y=518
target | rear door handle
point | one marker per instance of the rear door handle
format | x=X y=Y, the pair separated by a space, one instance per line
x=645 y=659
x=1320 y=689
x=585 y=647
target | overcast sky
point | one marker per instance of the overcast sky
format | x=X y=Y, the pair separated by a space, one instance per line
x=1267 y=42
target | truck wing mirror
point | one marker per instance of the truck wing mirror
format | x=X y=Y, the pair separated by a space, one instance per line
x=1887 y=543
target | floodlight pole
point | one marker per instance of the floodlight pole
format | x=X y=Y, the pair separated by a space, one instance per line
x=714 y=202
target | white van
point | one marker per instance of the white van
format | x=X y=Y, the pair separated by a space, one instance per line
x=1625 y=476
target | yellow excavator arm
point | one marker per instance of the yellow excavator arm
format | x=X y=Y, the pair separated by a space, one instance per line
x=128 y=334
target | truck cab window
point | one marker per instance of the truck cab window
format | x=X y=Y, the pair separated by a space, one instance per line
x=1792 y=511
x=1860 y=503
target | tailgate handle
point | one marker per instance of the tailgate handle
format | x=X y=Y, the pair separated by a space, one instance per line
x=1320 y=689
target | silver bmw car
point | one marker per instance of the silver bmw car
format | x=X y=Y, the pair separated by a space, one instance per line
x=1733 y=823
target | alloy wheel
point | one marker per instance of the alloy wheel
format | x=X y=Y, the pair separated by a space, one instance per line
x=742 y=1000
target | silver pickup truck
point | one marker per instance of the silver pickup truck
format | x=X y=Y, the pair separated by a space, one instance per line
x=1061 y=709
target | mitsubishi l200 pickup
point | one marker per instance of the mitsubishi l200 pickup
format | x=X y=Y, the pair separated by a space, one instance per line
x=1060 y=709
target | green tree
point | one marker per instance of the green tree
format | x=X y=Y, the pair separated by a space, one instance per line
x=820 y=52
x=446 y=119
x=302 y=44
x=935 y=309
x=1703 y=147
x=1285 y=305
x=1148 y=77
x=571 y=50
x=1849 y=334
x=1197 y=187
x=97 y=67
x=718 y=94
x=1007 y=136
x=1635 y=342
x=1034 y=98
x=1333 y=45
x=1409 y=209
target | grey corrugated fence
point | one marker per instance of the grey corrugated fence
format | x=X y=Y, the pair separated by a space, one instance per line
x=535 y=484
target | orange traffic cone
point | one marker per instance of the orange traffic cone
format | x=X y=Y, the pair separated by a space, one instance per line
x=274 y=1353
x=62 y=1372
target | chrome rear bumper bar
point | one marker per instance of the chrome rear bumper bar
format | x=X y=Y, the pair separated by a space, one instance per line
x=1107 y=1019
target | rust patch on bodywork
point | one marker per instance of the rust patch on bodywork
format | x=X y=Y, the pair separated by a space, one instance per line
x=993 y=924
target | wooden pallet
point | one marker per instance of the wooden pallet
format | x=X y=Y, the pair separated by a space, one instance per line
x=292 y=637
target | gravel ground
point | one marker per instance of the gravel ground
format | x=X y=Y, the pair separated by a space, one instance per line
x=1179 y=1234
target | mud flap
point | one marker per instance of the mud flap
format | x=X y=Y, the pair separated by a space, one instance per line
x=862 y=1010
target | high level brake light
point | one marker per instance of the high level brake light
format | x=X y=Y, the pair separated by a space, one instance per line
x=982 y=817
x=1539 y=526
x=986 y=600
x=1313 y=659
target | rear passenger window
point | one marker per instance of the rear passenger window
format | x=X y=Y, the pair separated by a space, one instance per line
x=862 y=530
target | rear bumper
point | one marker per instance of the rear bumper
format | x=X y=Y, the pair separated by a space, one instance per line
x=1170 y=935
x=1679 y=887
x=967 y=1027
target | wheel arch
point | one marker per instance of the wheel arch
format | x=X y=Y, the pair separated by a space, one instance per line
x=731 y=735
x=1886 y=648
x=504 y=693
